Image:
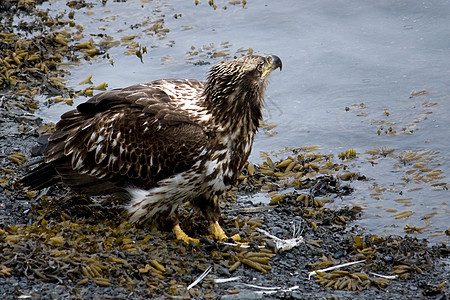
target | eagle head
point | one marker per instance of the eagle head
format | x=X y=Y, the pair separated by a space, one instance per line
x=236 y=88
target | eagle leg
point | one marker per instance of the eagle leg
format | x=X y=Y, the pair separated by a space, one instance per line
x=218 y=232
x=179 y=233
x=210 y=208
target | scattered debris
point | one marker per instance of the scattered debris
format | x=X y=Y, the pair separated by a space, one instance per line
x=334 y=267
x=200 y=278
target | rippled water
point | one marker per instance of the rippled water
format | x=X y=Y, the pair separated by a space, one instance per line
x=349 y=68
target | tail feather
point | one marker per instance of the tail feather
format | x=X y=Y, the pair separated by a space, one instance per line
x=41 y=177
x=46 y=175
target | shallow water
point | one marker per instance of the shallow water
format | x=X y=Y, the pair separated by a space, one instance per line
x=348 y=72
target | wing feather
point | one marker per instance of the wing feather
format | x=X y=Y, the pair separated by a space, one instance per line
x=137 y=135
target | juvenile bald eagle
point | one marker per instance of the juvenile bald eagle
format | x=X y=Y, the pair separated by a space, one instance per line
x=165 y=143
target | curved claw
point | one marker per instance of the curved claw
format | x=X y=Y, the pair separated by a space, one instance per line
x=219 y=234
x=179 y=233
x=236 y=237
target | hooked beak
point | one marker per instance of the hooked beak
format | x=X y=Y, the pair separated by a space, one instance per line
x=272 y=62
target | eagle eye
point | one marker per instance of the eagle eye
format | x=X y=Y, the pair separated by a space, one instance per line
x=260 y=67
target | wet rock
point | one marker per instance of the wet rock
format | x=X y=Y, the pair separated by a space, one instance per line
x=339 y=254
x=244 y=295
x=388 y=259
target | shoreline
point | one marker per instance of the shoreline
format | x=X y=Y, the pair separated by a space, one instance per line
x=59 y=245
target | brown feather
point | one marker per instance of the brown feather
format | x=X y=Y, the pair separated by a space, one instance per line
x=176 y=140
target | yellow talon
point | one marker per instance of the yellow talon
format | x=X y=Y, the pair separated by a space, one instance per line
x=183 y=236
x=236 y=237
x=218 y=232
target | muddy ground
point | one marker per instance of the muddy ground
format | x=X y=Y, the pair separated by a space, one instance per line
x=57 y=245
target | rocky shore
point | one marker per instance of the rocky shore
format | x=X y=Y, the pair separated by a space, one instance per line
x=58 y=245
